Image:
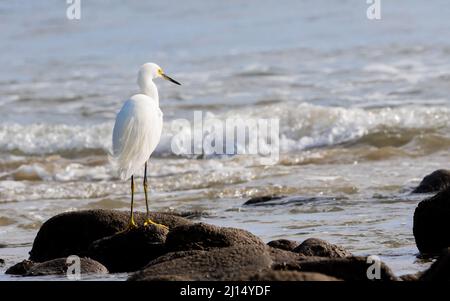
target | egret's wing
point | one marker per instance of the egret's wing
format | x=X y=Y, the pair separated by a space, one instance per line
x=136 y=133
x=123 y=127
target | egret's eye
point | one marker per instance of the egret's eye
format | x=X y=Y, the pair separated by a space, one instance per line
x=160 y=71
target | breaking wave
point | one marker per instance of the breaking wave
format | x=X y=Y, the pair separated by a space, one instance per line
x=302 y=126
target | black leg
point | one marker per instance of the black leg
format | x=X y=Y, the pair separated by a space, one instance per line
x=145 y=189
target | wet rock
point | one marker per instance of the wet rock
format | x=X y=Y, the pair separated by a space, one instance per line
x=434 y=182
x=289 y=200
x=202 y=236
x=20 y=268
x=270 y=275
x=439 y=270
x=216 y=264
x=166 y=278
x=194 y=214
x=282 y=258
x=131 y=250
x=71 y=233
x=410 y=277
x=263 y=199
x=321 y=248
x=59 y=266
x=431 y=226
x=349 y=268
x=174 y=255
x=283 y=244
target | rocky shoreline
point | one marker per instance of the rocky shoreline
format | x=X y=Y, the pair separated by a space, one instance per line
x=199 y=251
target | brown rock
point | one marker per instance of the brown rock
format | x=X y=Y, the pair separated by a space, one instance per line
x=217 y=264
x=174 y=255
x=321 y=248
x=270 y=275
x=131 y=250
x=410 y=277
x=283 y=244
x=263 y=199
x=348 y=268
x=20 y=268
x=167 y=278
x=71 y=233
x=431 y=226
x=434 y=182
x=282 y=259
x=440 y=269
x=202 y=236
x=59 y=266
x=279 y=200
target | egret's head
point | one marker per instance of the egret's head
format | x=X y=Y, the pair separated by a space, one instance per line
x=152 y=71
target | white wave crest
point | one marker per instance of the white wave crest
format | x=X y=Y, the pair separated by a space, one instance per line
x=302 y=126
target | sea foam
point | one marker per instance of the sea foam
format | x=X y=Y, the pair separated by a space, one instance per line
x=302 y=126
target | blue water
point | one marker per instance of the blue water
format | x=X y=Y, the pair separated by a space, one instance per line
x=363 y=108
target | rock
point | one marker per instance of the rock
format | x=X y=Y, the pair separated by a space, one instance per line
x=20 y=268
x=193 y=214
x=174 y=255
x=2 y=262
x=282 y=259
x=270 y=275
x=59 y=266
x=71 y=233
x=410 y=277
x=348 y=268
x=55 y=267
x=267 y=275
x=276 y=200
x=283 y=244
x=431 y=226
x=166 y=278
x=216 y=264
x=131 y=250
x=434 y=182
x=202 y=236
x=263 y=199
x=321 y=248
x=439 y=270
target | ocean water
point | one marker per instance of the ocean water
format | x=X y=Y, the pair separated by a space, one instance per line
x=363 y=109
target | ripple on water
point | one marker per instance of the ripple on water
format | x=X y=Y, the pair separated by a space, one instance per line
x=6 y=221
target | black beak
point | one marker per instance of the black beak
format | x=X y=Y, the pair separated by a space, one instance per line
x=170 y=79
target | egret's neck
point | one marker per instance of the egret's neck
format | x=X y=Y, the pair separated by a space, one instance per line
x=148 y=88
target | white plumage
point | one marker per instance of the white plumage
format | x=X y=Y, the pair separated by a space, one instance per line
x=136 y=133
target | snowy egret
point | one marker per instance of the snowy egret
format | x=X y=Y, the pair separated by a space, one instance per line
x=137 y=131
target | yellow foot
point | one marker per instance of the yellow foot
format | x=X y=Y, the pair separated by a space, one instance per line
x=131 y=226
x=149 y=222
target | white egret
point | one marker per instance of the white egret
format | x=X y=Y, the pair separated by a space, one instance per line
x=137 y=131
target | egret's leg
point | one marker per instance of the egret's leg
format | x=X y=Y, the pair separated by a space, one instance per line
x=148 y=221
x=145 y=190
x=132 y=224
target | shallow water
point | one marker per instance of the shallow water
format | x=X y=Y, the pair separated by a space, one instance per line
x=363 y=108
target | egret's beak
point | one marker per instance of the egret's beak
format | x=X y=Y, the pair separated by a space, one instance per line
x=169 y=79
